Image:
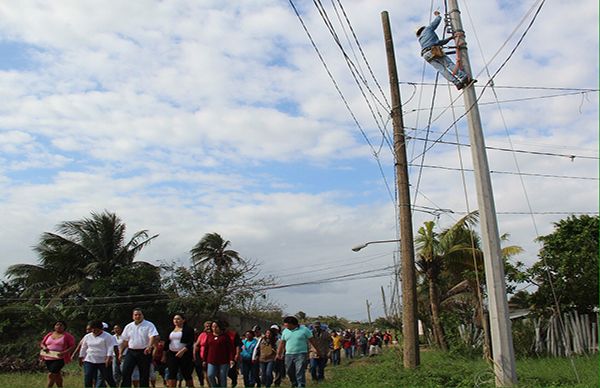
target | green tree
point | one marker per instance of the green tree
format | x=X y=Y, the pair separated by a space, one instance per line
x=214 y=249
x=80 y=253
x=219 y=279
x=568 y=266
x=434 y=251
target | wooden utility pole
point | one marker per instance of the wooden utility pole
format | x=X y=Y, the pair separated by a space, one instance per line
x=500 y=327
x=410 y=334
x=369 y=312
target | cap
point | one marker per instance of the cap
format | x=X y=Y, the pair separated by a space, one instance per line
x=255 y=327
x=274 y=327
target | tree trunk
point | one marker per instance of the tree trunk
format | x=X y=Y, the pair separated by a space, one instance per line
x=481 y=321
x=438 y=330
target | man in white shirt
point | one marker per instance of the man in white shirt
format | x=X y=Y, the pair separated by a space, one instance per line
x=139 y=338
x=97 y=348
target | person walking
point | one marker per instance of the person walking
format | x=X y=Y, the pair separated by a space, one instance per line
x=264 y=354
x=56 y=348
x=199 y=350
x=139 y=338
x=95 y=355
x=336 y=344
x=294 y=345
x=319 y=352
x=249 y=366
x=116 y=364
x=431 y=51
x=178 y=353
x=278 y=364
x=219 y=355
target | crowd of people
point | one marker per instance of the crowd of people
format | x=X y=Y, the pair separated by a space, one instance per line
x=135 y=354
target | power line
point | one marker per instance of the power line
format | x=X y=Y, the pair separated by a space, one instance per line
x=512 y=87
x=583 y=93
x=513 y=173
x=491 y=80
x=569 y=156
x=346 y=104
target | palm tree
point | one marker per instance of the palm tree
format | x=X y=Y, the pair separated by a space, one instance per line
x=433 y=252
x=213 y=249
x=79 y=253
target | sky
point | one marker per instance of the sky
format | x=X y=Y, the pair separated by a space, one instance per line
x=193 y=117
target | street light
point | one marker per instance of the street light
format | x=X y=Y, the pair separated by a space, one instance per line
x=359 y=247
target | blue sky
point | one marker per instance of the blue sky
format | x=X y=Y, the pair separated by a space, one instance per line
x=166 y=114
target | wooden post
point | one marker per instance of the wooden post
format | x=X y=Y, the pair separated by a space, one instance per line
x=410 y=333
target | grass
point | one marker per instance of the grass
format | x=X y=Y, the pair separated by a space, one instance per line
x=439 y=369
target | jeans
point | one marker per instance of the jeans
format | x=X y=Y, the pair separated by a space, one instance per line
x=295 y=365
x=445 y=67
x=348 y=352
x=266 y=371
x=250 y=373
x=217 y=375
x=335 y=356
x=317 y=368
x=95 y=371
x=134 y=358
x=116 y=368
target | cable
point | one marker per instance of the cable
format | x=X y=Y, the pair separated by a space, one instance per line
x=335 y=84
x=569 y=156
x=363 y=53
x=514 y=173
x=490 y=81
x=510 y=100
x=412 y=83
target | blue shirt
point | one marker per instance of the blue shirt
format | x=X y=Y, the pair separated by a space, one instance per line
x=429 y=38
x=248 y=348
x=296 y=341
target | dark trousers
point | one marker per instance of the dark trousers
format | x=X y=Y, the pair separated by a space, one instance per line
x=278 y=372
x=317 y=368
x=250 y=373
x=233 y=375
x=199 y=370
x=132 y=359
x=184 y=364
x=98 y=372
x=335 y=357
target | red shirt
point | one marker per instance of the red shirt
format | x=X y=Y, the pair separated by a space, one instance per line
x=218 y=350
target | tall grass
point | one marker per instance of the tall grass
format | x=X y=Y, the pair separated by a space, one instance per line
x=439 y=369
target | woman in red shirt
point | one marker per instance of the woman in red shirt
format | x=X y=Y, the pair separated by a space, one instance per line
x=218 y=356
x=56 y=352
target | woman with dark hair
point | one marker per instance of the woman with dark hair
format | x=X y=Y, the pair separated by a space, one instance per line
x=97 y=351
x=56 y=352
x=179 y=351
x=265 y=352
x=219 y=355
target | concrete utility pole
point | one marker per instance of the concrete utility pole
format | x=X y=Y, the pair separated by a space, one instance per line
x=369 y=312
x=385 y=308
x=410 y=334
x=500 y=327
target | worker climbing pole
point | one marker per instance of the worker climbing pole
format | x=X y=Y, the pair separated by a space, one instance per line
x=432 y=50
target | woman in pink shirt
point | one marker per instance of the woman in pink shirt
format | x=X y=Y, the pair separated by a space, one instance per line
x=56 y=352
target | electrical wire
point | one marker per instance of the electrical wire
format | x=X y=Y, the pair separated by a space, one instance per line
x=513 y=173
x=568 y=156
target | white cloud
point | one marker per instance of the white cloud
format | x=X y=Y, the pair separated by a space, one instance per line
x=192 y=117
